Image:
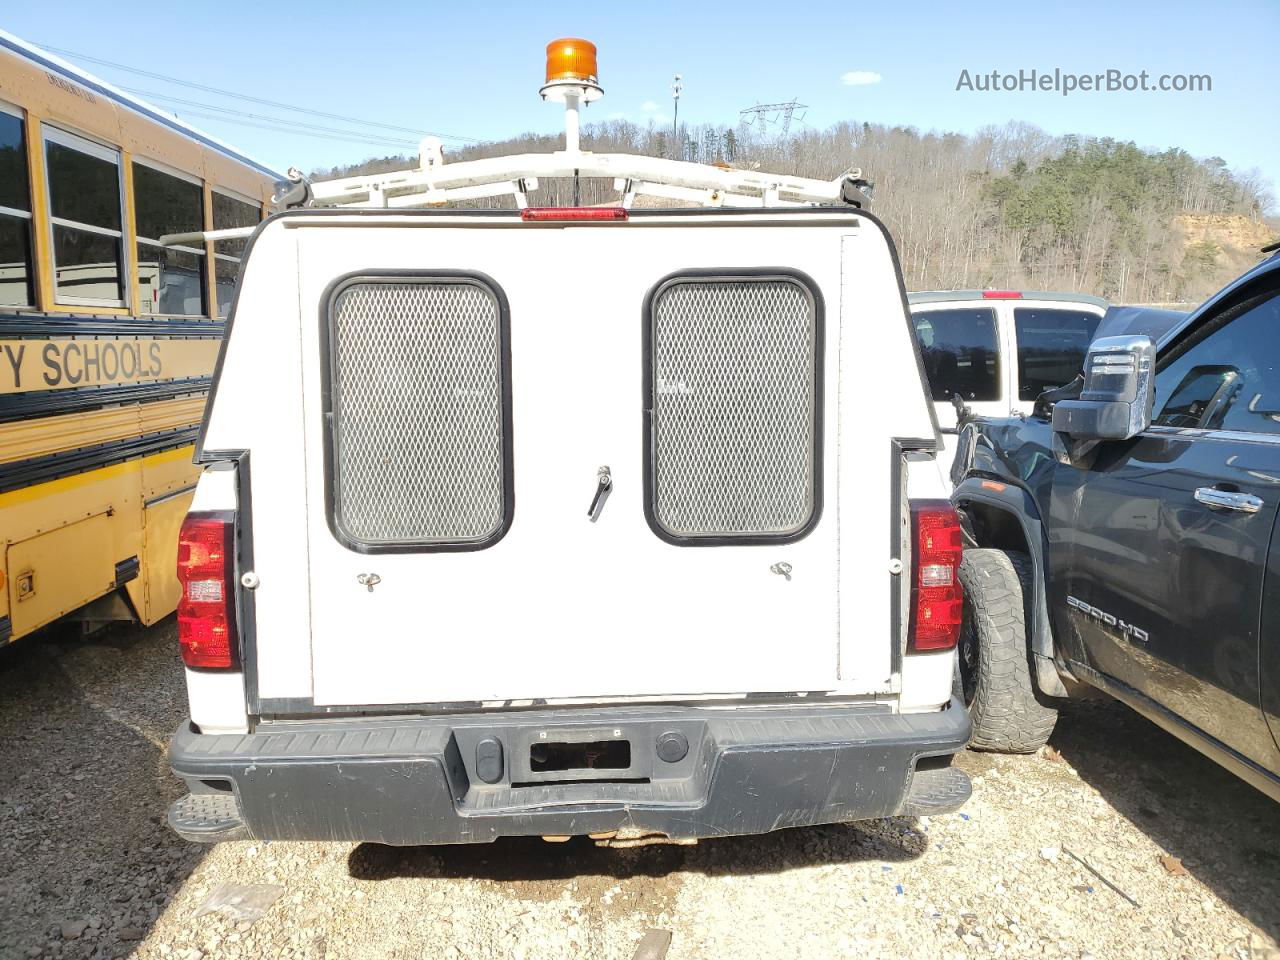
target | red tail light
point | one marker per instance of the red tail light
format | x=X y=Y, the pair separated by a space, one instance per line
x=550 y=214
x=1001 y=295
x=937 y=599
x=207 y=611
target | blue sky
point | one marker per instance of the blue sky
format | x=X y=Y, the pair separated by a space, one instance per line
x=474 y=70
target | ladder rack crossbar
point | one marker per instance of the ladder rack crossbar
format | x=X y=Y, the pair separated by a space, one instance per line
x=435 y=182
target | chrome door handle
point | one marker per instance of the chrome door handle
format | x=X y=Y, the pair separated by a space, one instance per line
x=604 y=487
x=1228 y=499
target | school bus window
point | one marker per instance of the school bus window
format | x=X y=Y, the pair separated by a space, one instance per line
x=15 y=213
x=170 y=279
x=84 y=206
x=229 y=212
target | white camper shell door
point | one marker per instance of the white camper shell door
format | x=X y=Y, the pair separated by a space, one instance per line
x=552 y=605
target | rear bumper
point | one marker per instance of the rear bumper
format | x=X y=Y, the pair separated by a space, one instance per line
x=746 y=770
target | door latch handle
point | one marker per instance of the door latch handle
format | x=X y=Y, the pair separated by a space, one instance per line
x=1228 y=499
x=604 y=487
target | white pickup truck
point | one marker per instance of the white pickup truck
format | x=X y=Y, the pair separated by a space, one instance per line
x=1000 y=349
x=567 y=521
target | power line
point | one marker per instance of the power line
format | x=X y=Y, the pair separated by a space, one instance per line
x=230 y=112
x=243 y=96
x=353 y=138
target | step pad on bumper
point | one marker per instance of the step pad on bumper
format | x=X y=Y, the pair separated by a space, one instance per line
x=937 y=791
x=208 y=818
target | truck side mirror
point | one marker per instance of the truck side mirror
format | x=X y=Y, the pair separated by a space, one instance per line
x=1118 y=393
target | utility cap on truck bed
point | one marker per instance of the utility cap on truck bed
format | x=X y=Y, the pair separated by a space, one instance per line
x=561 y=523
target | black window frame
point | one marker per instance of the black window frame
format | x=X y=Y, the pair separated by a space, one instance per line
x=19 y=214
x=649 y=388
x=97 y=149
x=331 y=412
x=145 y=240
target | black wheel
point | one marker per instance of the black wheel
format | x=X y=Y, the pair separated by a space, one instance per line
x=993 y=674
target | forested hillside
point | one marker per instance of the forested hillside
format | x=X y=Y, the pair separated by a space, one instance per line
x=1008 y=206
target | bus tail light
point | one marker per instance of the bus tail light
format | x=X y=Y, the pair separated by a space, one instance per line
x=207 y=611
x=937 y=599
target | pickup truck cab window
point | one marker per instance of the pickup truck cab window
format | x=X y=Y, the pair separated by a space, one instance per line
x=961 y=352
x=1227 y=378
x=1051 y=347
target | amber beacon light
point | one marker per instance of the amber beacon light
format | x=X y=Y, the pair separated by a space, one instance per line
x=571 y=80
x=571 y=65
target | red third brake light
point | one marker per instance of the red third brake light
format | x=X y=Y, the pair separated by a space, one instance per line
x=550 y=214
x=206 y=611
x=937 y=600
x=1001 y=295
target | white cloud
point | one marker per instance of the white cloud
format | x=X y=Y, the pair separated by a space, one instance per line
x=648 y=106
x=860 y=78
x=617 y=116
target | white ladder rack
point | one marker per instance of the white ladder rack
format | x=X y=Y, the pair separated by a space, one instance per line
x=435 y=183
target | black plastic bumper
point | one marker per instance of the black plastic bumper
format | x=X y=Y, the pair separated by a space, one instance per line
x=745 y=770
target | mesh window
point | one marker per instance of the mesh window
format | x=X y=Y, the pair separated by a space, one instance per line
x=419 y=449
x=735 y=391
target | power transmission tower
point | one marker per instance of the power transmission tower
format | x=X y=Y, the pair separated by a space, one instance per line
x=765 y=115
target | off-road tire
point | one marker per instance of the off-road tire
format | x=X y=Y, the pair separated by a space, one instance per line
x=1001 y=698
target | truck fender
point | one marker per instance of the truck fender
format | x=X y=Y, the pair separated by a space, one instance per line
x=1016 y=503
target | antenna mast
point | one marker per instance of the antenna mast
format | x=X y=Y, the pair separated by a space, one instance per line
x=676 y=87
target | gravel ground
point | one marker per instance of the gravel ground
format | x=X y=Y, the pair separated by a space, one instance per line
x=87 y=868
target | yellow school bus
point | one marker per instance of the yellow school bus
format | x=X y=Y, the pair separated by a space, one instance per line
x=107 y=338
